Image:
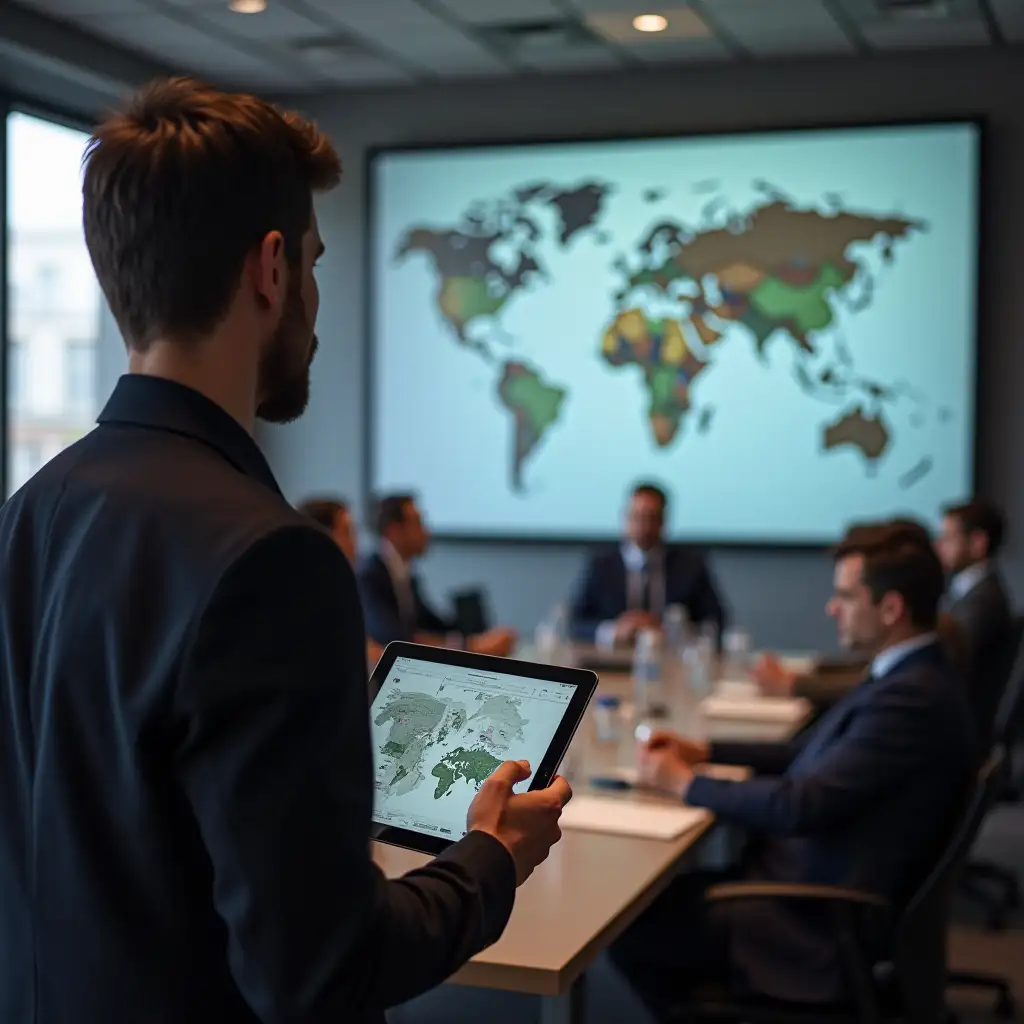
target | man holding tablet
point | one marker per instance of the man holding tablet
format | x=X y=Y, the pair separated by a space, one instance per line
x=186 y=780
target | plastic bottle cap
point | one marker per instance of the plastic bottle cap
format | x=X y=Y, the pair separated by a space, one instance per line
x=608 y=701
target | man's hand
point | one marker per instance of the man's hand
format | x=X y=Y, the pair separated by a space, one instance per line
x=628 y=624
x=773 y=677
x=526 y=824
x=690 y=752
x=500 y=642
x=664 y=769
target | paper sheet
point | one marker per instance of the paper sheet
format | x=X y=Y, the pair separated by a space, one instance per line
x=630 y=817
x=756 y=709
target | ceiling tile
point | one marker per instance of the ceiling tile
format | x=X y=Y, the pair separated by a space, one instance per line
x=1010 y=16
x=574 y=58
x=276 y=24
x=623 y=7
x=922 y=33
x=373 y=16
x=502 y=12
x=352 y=68
x=683 y=23
x=681 y=51
x=187 y=48
x=72 y=9
x=786 y=26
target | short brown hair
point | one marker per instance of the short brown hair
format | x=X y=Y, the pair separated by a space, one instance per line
x=895 y=561
x=389 y=510
x=980 y=516
x=179 y=187
x=659 y=493
x=323 y=510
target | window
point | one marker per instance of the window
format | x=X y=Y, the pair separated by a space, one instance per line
x=17 y=375
x=79 y=375
x=54 y=310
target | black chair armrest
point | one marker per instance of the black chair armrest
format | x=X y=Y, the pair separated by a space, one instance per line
x=833 y=894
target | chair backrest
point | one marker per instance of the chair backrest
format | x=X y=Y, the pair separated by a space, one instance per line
x=989 y=695
x=919 y=953
x=471 y=615
x=1011 y=705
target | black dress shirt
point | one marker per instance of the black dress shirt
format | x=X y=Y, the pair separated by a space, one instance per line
x=185 y=768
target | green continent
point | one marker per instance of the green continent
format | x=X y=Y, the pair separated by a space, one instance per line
x=534 y=405
x=663 y=384
x=805 y=308
x=473 y=764
x=464 y=298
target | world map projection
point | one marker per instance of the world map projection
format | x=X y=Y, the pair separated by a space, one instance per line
x=778 y=328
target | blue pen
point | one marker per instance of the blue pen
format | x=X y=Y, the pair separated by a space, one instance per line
x=607 y=782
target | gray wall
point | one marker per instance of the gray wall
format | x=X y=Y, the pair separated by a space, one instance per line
x=777 y=594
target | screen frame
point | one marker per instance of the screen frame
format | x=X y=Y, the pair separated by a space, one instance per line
x=979 y=122
x=584 y=680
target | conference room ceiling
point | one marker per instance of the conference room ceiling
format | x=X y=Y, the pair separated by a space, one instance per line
x=314 y=45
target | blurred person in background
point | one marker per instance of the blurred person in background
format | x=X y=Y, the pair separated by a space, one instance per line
x=626 y=589
x=391 y=592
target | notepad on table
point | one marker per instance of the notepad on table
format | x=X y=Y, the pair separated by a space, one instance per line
x=756 y=709
x=630 y=818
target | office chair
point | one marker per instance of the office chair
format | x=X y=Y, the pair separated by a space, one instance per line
x=909 y=985
x=471 y=614
x=1004 y=709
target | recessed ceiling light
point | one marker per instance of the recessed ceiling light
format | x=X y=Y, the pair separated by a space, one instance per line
x=650 y=23
x=247 y=6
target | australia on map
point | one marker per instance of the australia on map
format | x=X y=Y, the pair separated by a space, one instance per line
x=773 y=270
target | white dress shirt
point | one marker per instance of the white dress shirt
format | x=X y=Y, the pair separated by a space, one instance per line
x=641 y=567
x=886 y=660
x=401 y=580
x=967 y=579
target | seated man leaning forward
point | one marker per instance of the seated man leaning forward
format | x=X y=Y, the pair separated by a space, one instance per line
x=389 y=586
x=832 y=679
x=863 y=799
x=626 y=589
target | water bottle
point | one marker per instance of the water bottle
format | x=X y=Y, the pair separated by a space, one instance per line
x=647 y=678
x=736 y=652
x=608 y=719
x=675 y=627
x=700 y=665
x=552 y=637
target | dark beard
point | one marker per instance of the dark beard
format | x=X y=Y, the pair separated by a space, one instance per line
x=285 y=363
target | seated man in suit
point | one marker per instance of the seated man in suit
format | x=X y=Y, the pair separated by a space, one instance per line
x=393 y=603
x=832 y=679
x=971 y=537
x=862 y=799
x=335 y=516
x=627 y=589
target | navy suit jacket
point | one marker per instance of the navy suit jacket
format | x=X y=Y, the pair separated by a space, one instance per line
x=601 y=594
x=381 y=608
x=186 y=778
x=863 y=799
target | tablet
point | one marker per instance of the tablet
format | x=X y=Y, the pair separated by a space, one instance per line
x=442 y=721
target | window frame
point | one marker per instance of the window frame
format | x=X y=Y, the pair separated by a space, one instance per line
x=15 y=103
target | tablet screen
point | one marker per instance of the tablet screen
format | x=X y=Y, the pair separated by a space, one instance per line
x=439 y=731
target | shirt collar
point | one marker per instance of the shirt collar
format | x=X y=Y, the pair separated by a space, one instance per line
x=636 y=560
x=885 y=661
x=967 y=579
x=156 y=403
x=396 y=566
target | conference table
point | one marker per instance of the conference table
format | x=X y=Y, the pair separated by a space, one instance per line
x=591 y=888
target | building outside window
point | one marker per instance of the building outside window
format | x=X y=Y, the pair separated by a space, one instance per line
x=55 y=300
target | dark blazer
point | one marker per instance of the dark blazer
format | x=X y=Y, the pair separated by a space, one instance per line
x=986 y=619
x=862 y=799
x=381 y=608
x=601 y=594
x=185 y=768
